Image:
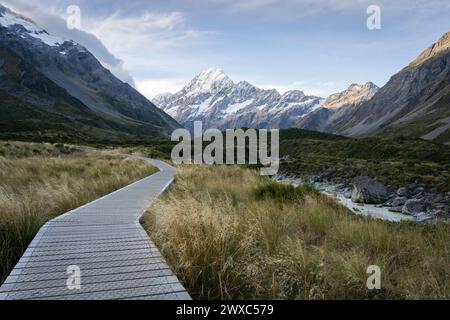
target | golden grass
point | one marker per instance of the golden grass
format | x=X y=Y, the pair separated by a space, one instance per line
x=224 y=241
x=41 y=181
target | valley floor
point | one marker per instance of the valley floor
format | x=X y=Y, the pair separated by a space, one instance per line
x=229 y=233
x=41 y=181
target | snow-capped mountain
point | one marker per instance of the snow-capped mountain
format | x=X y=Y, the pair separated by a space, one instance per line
x=337 y=107
x=213 y=98
x=49 y=82
x=26 y=28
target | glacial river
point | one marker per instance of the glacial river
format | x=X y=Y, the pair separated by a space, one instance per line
x=357 y=208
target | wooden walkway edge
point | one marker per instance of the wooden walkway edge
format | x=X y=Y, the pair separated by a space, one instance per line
x=105 y=240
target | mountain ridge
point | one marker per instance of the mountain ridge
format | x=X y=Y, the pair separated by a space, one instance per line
x=212 y=97
x=414 y=102
x=93 y=98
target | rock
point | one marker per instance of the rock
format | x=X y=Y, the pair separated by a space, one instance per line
x=422 y=217
x=399 y=201
x=437 y=198
x=347 y=193
x=368 y=190
x=315 y=178
x=441 y=213
x=413 y=207
x=396 y=209
x=402 y=192
x=419 y=190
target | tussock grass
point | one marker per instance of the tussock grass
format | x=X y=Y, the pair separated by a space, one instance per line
x=41 y=181
x=227 y=235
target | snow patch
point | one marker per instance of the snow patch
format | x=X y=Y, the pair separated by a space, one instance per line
x=200 y=109
x=235 y=107
x=8 y=20
x=172 y=111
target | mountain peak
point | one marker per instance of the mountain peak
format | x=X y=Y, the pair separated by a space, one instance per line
x=210 y=80
x=26 y=27
x=443 y=44
x=292 y=96
x=212 y=73
x=355 y=93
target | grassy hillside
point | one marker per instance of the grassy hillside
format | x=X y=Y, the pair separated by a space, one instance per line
x=40 y=181
x=229 y=233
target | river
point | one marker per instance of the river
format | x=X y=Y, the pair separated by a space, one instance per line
x=343 y=198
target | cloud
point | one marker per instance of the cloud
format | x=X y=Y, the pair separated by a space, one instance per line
x=159 y=30
x=151 y=87
x=153 y=44
x=57 y=26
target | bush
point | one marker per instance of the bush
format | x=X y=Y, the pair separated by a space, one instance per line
x=284 y=192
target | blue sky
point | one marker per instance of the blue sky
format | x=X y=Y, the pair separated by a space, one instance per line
x=318 y=46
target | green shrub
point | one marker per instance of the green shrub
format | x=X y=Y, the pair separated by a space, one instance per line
x=284 y=192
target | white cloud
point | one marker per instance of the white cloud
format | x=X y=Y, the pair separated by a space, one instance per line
x=152 y=45
x=156 y=30
x=151 y=87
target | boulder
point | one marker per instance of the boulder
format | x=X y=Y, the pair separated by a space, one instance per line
x=402 y=192
x=396 y=209
x=441 y=213
x=413 y=206
x=347 y=194
x=437 y=198
x=419 y=190
x=368 y=190
x=399 y=202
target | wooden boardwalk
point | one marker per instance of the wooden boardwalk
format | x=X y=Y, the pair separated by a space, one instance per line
x=104 y=239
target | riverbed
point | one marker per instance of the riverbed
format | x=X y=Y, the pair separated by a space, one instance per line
x=342 y=197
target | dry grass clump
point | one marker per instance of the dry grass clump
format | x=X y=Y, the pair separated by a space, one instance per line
x=229 y=233
x=36 y=188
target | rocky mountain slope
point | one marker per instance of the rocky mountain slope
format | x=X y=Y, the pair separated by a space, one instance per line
x=212 y=97
x=51 y=86
x=337 y=107
x=415 y=102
